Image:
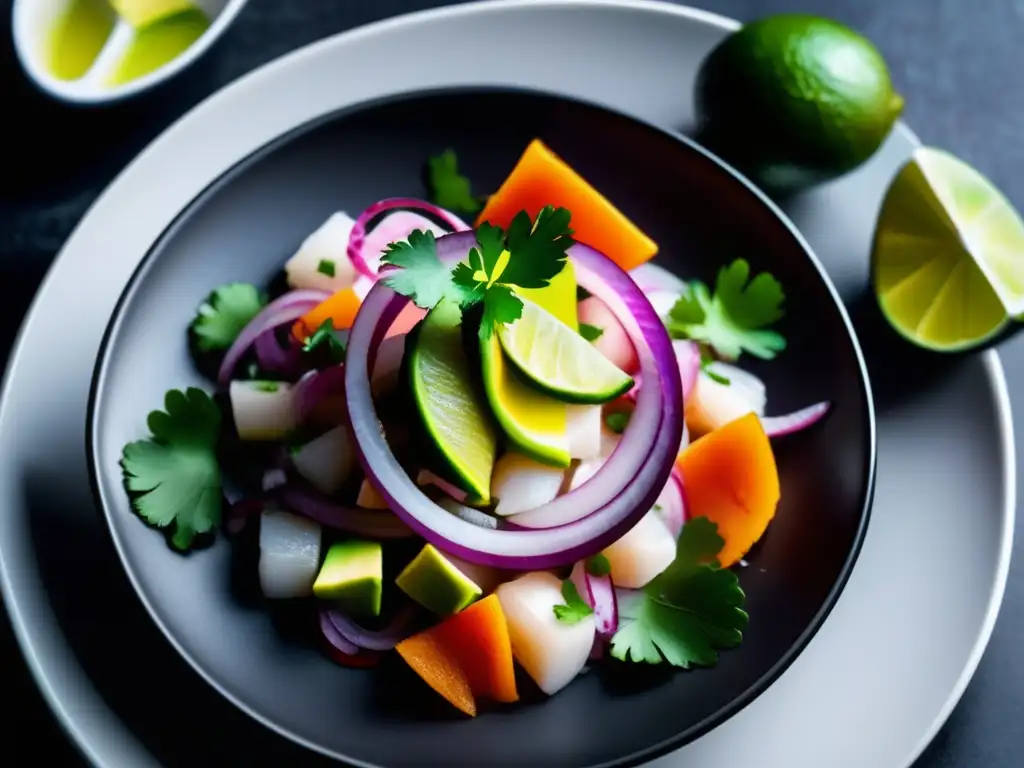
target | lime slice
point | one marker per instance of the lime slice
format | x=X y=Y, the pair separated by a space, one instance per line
x=531 y=420
x=454 y=414
x=948 y=257
x=559 y=361
x=141 y=13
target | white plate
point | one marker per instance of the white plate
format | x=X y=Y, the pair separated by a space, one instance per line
x=884 y=672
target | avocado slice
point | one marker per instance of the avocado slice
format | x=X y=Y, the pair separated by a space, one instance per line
x=352 y=576
x=436 y=584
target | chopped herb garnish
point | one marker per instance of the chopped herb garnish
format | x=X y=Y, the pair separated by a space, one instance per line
x=449 y=188
x=252 y=371
x=529 y=255
x=706 y=359
x=689 y=612
x=617 y=422
x=324 y=341
x=735 y=319
x=173 y=478
x=265 y=386
x=575 y=608
x=326 y=267
x=598 y=565
x=590 y=332
x=224 y=314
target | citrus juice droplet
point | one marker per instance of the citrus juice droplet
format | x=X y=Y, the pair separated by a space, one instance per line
x=158 y=44
x=78 y=36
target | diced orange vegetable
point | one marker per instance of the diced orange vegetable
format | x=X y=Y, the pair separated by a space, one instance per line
x=340 y=308
x=432 y=659
x=731 y=478
x=468 y=653
x=541 y=178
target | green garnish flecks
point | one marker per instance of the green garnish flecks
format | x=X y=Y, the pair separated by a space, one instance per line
x=265 y=386
x=173 y=477
x=575 y=608
x=324 y=341
x=449 y=188
x=689 y=612
x=326 y=267
x=224 y=314
x=590 y=332
x=598 y=565
x=735 y=319
x=529 y=255
x=706 y=359
x=617 y=421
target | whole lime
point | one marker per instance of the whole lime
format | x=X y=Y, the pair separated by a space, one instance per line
x=794 y=99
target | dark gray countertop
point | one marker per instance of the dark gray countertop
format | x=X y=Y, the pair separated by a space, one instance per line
x=957 y=62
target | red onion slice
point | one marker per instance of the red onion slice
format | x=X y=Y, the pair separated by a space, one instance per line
x=286 y=308
x=334 y=637
x=370 y=640
x=393 y=228
x=599 y=594
x=688 y=357
x=373 y=524
x=315 y=387
x=587 y=518
x=671 y=504
x=779 y=426
x=357 y=240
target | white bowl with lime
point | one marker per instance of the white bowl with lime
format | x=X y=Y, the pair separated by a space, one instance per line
x=100 y=51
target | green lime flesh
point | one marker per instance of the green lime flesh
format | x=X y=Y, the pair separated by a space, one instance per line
x=453 y=412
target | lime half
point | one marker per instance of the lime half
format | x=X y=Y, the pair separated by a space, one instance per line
x=558 y=360
x=948 y=257
x=454 y=414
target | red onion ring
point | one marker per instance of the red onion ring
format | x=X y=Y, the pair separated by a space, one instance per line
x=587 y=518
x=286 y=308
x=380 y=640
x=334 y=637
x=316 y=386
x=273 y=357
x=373 y=524
x=672 y=503
x=688 y=357
x=357 y=239
x=797 y=421
x=599 y=594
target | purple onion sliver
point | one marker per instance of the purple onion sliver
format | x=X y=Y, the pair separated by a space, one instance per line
x=275 y=358
x=371 y=523
x=317 y=386
x=286 y=308
x=779 y=426
x=380 y=640
x=333 y=636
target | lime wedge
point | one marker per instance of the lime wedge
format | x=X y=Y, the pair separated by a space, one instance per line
x=558 y=361
x=948 y=257
x=532 y=421
x=454 y=414
x=142 y=13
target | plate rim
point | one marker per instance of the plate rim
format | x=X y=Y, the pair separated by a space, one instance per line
x=990 y=360
x=111 y=511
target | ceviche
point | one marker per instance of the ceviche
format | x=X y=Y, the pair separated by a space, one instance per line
x=516 y=442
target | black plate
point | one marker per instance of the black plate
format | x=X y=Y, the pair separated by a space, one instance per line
x=702 y=214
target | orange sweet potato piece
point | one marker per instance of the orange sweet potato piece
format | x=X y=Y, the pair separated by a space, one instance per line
x=541 y=178
x=467 y=656
x=731 y=478
x=340 y=308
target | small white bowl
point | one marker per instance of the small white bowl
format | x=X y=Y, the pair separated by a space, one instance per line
x=33 y=22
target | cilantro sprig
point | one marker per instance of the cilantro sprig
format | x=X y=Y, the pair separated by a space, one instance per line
x=735 y=318
x=527 y=256
x=575 y=608
x=449 y=188
x=225 y=313
x=323 y=345
x=173 y=477
x=590 y=332
x=689 y=612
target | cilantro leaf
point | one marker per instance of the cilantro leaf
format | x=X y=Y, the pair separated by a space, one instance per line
x=590 y=332
x=689 y=612
x=449 y=188
x=491 y=241
x=423 y=278
x=326 y=267
x=225 y=313
x=324 y=341
x=598 y=565
x=173 y=478
x=500 y=306
x=538 y=249
x=575 y=609
x=733 y=320
x=706 y=359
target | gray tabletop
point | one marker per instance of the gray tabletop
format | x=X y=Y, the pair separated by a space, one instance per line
x=957 y=62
